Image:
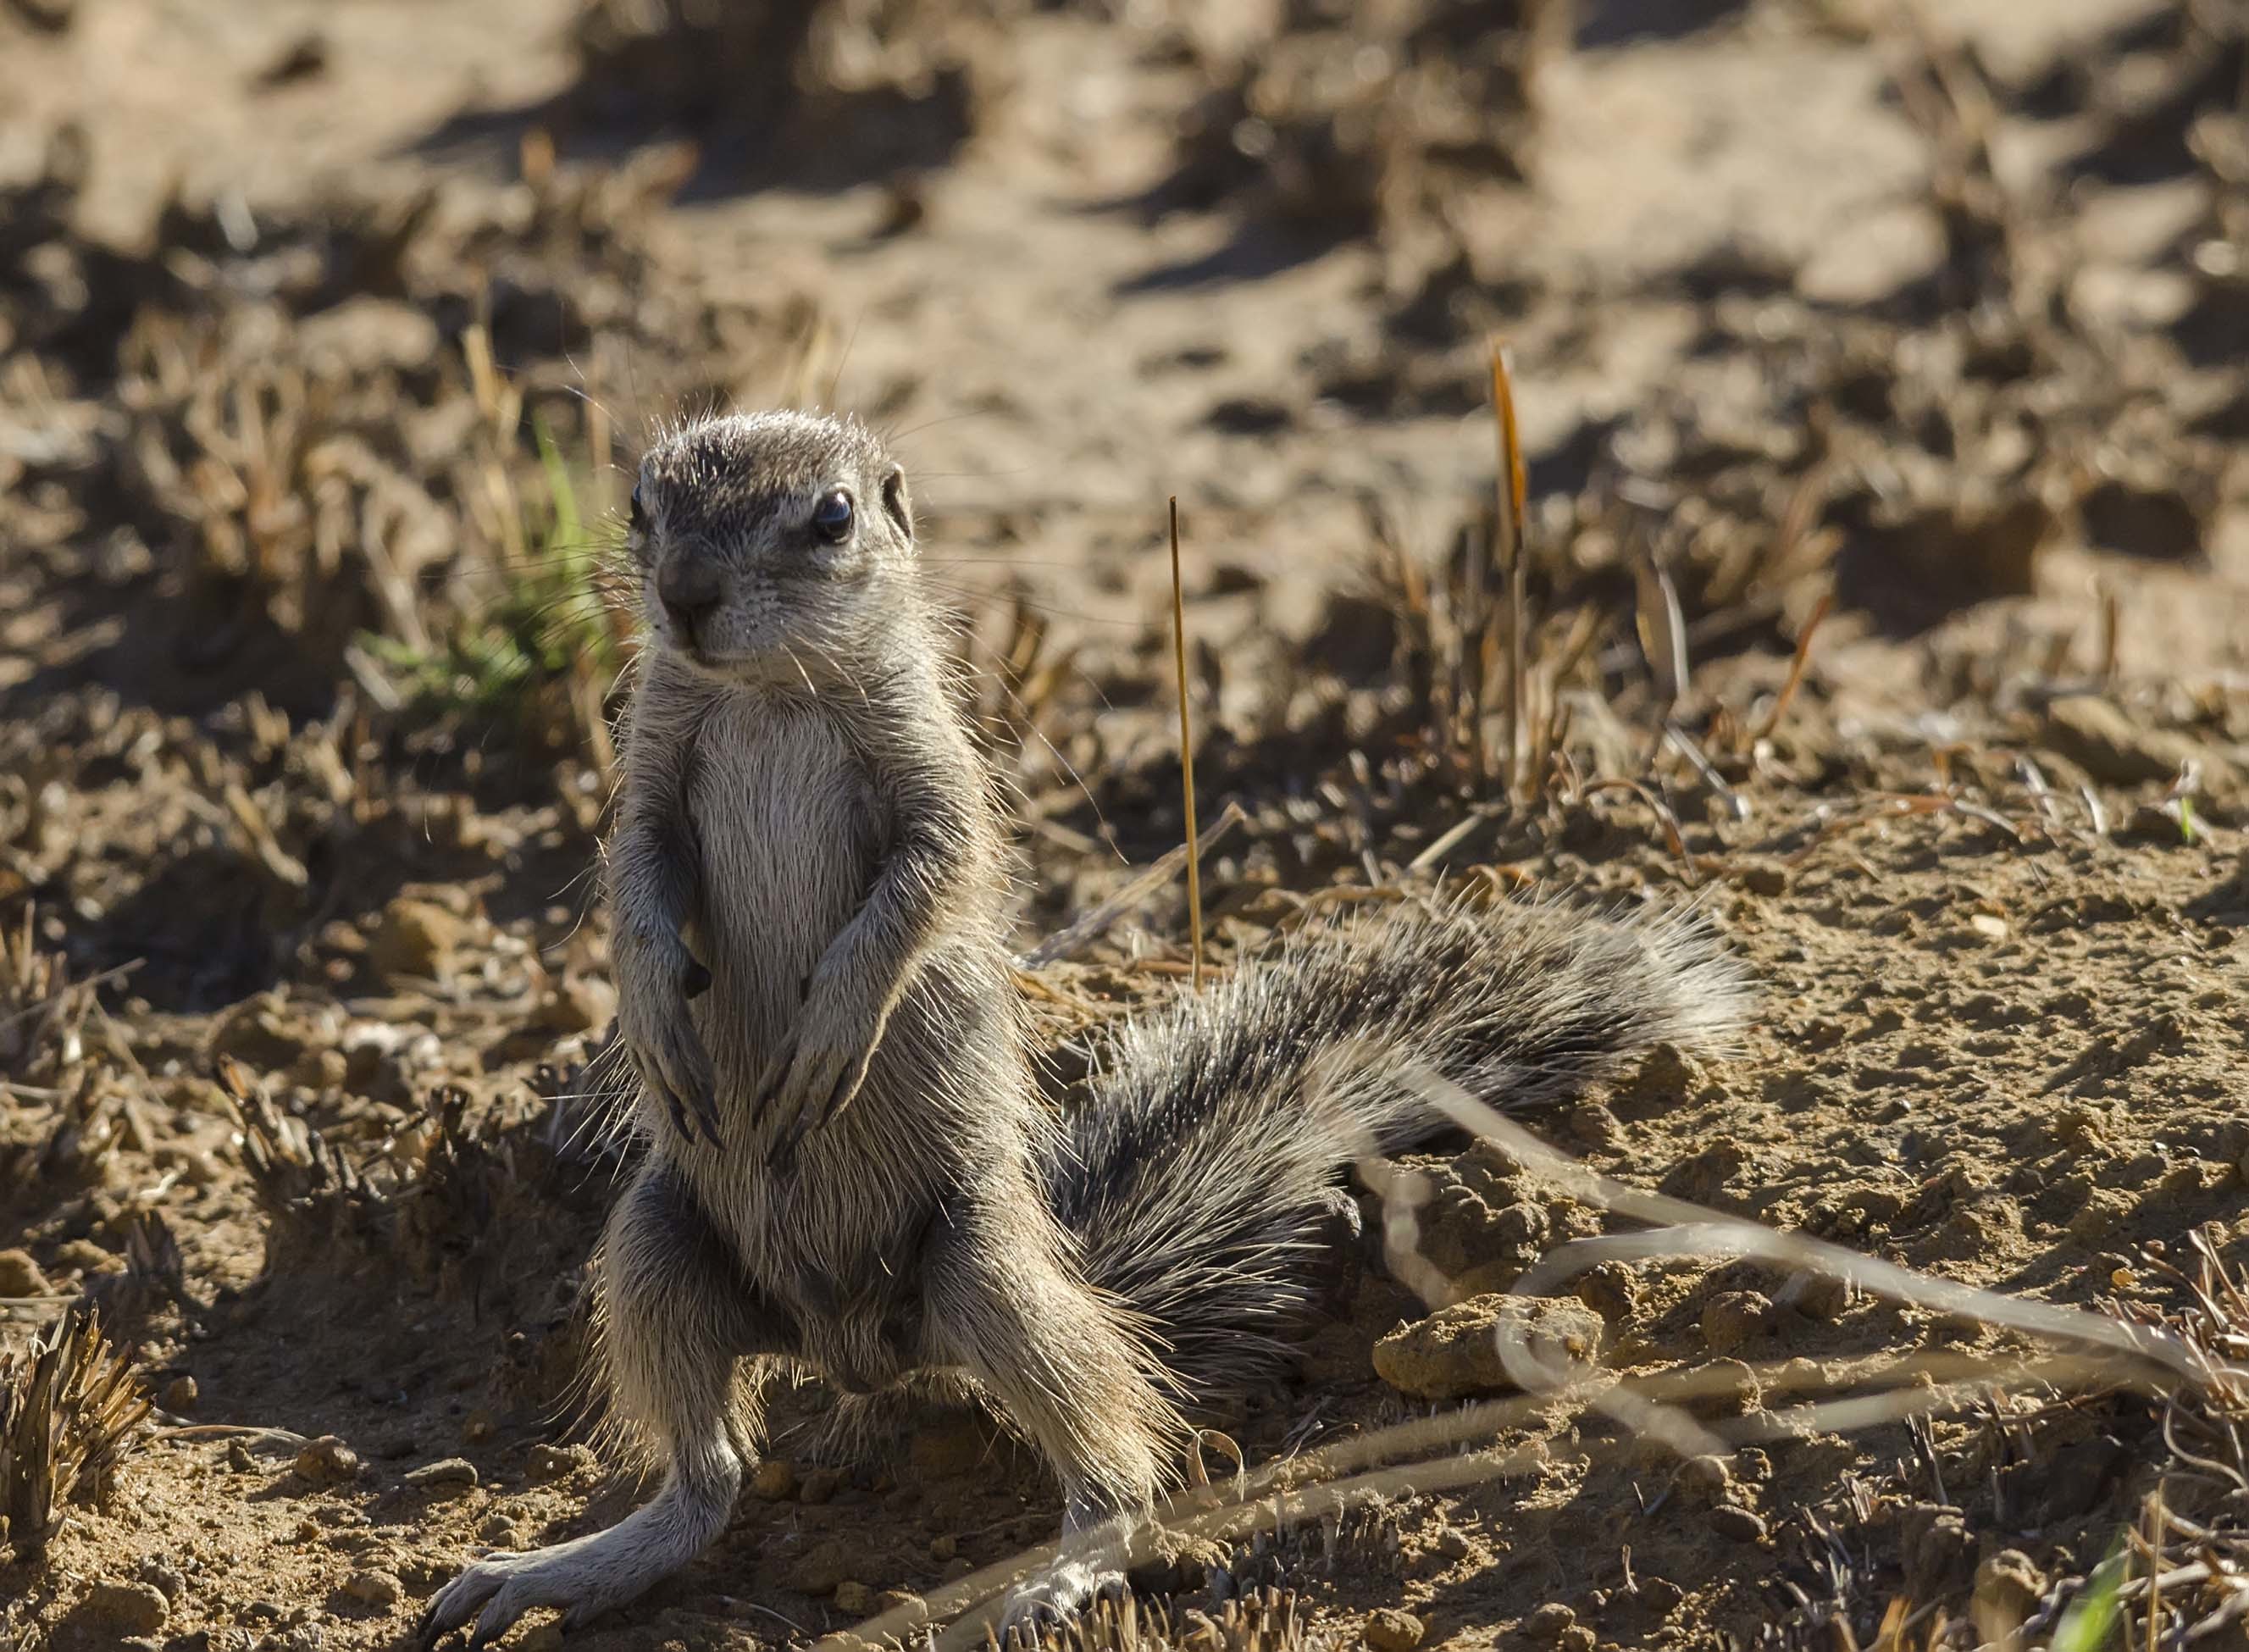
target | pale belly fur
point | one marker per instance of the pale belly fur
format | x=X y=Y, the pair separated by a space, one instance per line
x=791 y=840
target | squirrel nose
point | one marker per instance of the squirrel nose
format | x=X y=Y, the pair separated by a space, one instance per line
x=689 y=588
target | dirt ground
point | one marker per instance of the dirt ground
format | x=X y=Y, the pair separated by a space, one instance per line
x=326 y=330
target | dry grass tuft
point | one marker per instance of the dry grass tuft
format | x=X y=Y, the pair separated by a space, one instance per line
x=307 y=1183
x=43 y=1011
x=88 y=1128
x=1266 y=1620
x=69 y=1406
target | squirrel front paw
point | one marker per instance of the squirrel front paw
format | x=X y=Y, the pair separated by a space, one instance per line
x=654 y=985
x=816 y=1070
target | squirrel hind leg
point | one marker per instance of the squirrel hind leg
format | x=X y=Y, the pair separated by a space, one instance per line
x=1074 y=1374
x=672 y=1326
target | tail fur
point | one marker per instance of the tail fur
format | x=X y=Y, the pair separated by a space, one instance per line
x=1201 y=1174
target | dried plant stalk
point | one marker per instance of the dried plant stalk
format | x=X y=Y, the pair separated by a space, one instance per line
x=1186 y=753
x=1514 y=485
x=68 y=1410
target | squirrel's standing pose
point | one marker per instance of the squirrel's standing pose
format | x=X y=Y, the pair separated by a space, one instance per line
x=849 y=1166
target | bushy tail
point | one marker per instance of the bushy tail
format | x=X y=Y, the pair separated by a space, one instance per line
x=1200 y=1174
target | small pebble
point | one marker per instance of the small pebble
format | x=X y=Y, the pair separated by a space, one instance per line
x=449 y=1474
x=1817 y=1295
x=20 y=1275
x=374 y=1588
x=1739 y=1524
x=944 y=1546
x=1391 y=1630
x=1765 y=880
x=818 y=1486
x=129 y=1608
x=327 y=1461
x=181 y=1395
x=854 y=1598
x=775 y=1480
x=86 y=1255
x=555 y=1462
x=1547 y=1622
x=1707 y=1479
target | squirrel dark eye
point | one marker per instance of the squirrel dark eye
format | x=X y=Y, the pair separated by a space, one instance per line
x=639 y=516
x=831 y=518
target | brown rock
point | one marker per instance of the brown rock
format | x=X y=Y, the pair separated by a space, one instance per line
x=1726 y=1388
x=1611 y=1289
x=374 y=1588
x=818 y=1485
x=1594 y=1124
x=1473 y=1227
x=556 y=1463
x=323 y=1069
x=1456 y=1352
x=263 y=1033
x=855 y=1599
x=20 y=1274
x=774 y=1481
x=327 y=1461
x=1547 y=1622
x=1391 y=1630
x=1936 y=1549
x=822 y=1567
x=449 y=1476
x=1707 y=1480
x=89 y=1257
x=580 y=1004
x=1731 y=1520
x=1816 y=1296
x=181 y=1393
x=418 y=939
x=2011 y=1584
x=127 y=1609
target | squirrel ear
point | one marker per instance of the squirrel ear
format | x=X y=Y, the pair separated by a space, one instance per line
x=895 y=501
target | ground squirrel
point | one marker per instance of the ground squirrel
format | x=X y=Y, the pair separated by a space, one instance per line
x=849 y=1167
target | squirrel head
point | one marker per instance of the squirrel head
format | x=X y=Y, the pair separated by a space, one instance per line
x=772 y=547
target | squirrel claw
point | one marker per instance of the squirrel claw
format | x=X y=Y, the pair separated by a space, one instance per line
x=840 y=1098
x=702 y=1121
x=835 y=1079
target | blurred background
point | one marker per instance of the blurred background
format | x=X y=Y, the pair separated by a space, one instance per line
x=1881 y=374
x=294 y=290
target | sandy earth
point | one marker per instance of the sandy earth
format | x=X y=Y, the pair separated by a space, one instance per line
x=1798 y=309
